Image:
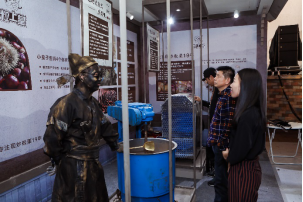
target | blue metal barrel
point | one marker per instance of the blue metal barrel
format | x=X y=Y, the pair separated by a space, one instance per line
x=149 y=171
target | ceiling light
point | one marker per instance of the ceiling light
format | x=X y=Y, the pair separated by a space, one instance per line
x=236 y=14
x=171 y=21
x=130 y=16
x=178 y=10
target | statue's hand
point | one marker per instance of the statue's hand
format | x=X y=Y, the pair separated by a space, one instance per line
x=51 y=170
x=120 y=149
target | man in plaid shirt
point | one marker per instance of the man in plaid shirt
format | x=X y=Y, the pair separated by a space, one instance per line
x=218 y=136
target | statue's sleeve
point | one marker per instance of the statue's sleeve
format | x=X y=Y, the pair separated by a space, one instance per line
x=109 y=134
x=57 y=125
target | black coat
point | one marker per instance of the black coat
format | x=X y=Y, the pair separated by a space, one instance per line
x=247 y=140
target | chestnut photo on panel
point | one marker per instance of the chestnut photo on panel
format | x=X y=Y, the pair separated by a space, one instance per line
x=14 y=64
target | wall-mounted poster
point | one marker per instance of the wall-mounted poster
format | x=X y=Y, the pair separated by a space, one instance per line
x=14 y=63
x=181 y=74
x=130 y=50
x=109 y=76
x=131 y=94
x=33 y=54
x=107 y=97
x=130 y=74
x=153 y=48
x=97 y=30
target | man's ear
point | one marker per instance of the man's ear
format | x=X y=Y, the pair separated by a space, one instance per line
x=227 y=80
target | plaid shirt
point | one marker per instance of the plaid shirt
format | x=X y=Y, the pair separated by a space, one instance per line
x=221 y=121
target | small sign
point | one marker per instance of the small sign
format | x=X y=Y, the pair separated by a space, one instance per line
x=181 y=79
x=153 y=48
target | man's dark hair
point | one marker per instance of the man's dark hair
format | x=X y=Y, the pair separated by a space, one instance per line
x=209 y=72
x=228 y=72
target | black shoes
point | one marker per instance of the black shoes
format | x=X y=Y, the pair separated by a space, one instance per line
x=211 y=174
x=211 y=183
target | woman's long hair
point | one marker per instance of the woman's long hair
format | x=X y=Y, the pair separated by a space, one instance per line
x=251 y=94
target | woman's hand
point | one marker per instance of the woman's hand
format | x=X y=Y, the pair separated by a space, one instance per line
x=225 y=153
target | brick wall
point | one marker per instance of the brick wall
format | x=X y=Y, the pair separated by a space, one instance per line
x=277 y=105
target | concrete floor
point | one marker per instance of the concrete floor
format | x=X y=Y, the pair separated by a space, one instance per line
x=269 y=190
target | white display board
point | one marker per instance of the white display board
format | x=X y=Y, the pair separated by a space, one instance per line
x=42 y=29
x=97 y=26
x=228 y=46
x=153 y=48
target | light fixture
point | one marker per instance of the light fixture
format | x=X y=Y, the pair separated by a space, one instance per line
x=236 y=14
x=178 y=10
x=171 y=21
x=130 y=16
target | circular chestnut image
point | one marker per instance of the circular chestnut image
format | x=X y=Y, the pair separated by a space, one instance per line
x=14 y=63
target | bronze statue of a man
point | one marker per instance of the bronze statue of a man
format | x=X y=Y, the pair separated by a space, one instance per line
x=75 y=128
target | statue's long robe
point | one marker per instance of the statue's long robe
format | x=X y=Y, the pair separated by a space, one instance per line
x=75 y=127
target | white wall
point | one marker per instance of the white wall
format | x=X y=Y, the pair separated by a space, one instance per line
x=290 y=15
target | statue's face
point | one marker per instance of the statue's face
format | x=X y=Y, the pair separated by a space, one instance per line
x=13 y=4
x=92 y=77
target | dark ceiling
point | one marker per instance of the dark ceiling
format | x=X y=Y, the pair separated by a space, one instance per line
x=158 y=9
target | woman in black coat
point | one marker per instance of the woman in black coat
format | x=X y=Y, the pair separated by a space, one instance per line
x=247 y=139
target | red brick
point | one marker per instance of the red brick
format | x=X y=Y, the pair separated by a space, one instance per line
x=297 y=97
x=288 y=87
x=296 y=83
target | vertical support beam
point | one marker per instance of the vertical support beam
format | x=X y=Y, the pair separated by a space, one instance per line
x=208 y=57
x=143 y=56
x=193 y=89
x=169 y=103
x=162 y=43
x=123 y=37
x=82 y=30
x=69 y=36
x=144 y=77
x=200 y=82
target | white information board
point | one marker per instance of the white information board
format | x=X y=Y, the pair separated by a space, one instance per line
x=153 y=48
x=97 y=30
